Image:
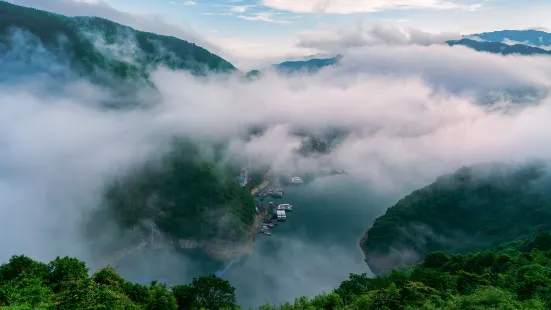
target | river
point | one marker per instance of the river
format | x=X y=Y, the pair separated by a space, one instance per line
x=313 y=251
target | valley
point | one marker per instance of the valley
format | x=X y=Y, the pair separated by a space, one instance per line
x=368 y=166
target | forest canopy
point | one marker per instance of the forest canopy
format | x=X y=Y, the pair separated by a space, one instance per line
x=516 y=275
x=475 y=208
x=186 y=195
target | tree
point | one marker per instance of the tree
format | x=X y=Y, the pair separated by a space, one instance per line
x=185 y=296
x=209 y=292
x=66 y=269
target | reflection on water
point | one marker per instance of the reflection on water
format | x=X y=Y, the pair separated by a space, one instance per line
x=313 y=251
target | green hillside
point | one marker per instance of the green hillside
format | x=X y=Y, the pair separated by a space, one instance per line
x=98 y=48
x=186 y=196
x=472 y=209
x=514 y=276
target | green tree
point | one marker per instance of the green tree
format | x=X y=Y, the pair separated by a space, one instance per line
x=210 y=292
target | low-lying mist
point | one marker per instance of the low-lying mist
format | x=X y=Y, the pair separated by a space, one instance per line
x=412 y=113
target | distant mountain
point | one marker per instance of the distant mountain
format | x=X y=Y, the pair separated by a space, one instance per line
x=473 y=209
x=499 y=48
x=310 y=66
x=527 y=37
x=98 y=48
x=298 y=66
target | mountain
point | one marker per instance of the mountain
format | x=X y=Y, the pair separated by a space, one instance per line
x=499 y=48
x=97 y=48
x=515 y=275
x=298 y=66
x=472 y=209
x=309 y=66
x=184 y=197
x=526 y=37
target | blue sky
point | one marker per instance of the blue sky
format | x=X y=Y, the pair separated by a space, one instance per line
x=251 y=31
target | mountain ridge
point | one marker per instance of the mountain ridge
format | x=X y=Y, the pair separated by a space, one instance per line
x=66 y=36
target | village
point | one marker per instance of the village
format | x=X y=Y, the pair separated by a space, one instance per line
x=270 y=215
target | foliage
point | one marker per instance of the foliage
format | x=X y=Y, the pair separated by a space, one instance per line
x=473 y=209
x=208 y=292
x=513 y=276
x=186 y=196
x=86 y=44
x=64 y=284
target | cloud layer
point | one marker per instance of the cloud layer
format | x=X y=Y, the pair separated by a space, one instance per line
x=339 y=39
x=362 y=6
x=413 y=112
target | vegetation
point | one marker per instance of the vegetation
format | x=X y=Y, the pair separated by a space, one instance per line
x=513 y=276
x=99 y=48
x=499 y=47
x=186 y=195
x=308 y=66
x=473 y=209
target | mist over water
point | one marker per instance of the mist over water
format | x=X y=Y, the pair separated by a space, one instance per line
x=313 y=251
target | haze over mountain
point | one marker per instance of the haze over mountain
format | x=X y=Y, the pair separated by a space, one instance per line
x=406 y=107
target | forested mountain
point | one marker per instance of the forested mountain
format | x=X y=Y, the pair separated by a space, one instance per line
x=499 y=48
x=527 y=37
x=185 y=195
x=98 y=48
x=516 y=275
x=309 y=66
x=472 y=209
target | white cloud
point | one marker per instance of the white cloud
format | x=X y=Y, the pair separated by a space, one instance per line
x=189 y=2
x=334 y=39
x=360 y=6
x=263 y=16
x=238 y=9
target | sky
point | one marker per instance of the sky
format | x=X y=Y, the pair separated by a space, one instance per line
x=250 y=33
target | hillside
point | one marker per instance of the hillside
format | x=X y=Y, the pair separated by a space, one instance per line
x=499 y=48
x=100 y=49
x=309 y=66
x=185 y=196
x=516 y=275
x=527 y=37
x=472 y=209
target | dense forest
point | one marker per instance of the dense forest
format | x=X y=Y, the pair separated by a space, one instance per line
x=513 y=276
x=100 y=49
x=186 y=195
x=473 y=209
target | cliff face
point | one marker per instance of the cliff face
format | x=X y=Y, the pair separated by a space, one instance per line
x=472 y=209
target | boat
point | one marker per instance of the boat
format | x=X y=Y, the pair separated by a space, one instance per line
x=281 y=216
x=267 y=233
x=285 y=206
x=296 y=180
x=276 y=193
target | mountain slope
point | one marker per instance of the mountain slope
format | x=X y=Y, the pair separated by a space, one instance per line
x=499 y=48
x=310 y=66
x=474 y=208
x=184 y=195
x=96 y=47
x=527 y=37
